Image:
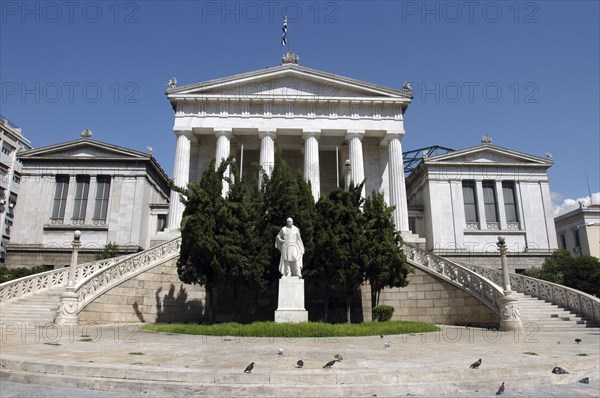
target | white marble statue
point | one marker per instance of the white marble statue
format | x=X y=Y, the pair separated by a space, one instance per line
x=290 y=245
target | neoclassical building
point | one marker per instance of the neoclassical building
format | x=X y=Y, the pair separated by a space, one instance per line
x=109 y=193
x=578 y=231
x=12 y=141
x=462 y=200
x=317 y=120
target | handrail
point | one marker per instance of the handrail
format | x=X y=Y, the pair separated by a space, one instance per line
x=472 y=282
x=30 y=284
x=574 y=300
x=95 y=284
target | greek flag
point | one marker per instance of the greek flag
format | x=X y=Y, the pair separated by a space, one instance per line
x=284 y=29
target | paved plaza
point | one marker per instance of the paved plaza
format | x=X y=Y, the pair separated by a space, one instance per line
x=122 y=361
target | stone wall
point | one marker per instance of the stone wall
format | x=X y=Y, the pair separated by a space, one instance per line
x=156 y=295
x=428 y=299
x=159 y=296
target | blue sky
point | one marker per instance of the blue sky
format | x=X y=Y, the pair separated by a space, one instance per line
x=526 y=73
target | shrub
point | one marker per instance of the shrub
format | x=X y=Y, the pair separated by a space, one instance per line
x=383 y=313
x=8 y=274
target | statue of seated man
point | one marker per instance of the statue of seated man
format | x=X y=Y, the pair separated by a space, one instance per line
x=289 y=243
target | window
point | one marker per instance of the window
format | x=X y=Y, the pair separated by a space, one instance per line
x=577 y=240
x=563 y=241
x=469 y=198
x=60 y=196
x=510 y=203
x=489 y=201
x=102 y=193
x=7 y=149
x=81 y=197
x=162 y=222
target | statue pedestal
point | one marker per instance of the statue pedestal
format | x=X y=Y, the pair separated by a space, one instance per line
x=291 y=300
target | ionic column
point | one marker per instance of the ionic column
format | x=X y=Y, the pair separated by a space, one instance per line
x=397 y=184
x=267 y=153
x=181 y=176
x=357 y=167
x=311 y=162
x=222 y=153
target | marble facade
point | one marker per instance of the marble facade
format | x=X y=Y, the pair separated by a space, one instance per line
x=316 y=119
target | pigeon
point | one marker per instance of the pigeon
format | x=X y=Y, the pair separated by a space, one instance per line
x=280 y=351
x=381 y=336
x=329 y=364
x=338 y=357
x=585 y=380
x=249 y=368
x=300 y=363
x=500 y=389
x=388 y=344
x=578 y=341
x=475 y=365
x=559 y=371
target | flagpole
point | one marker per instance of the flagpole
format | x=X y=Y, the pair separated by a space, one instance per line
x=287 y=40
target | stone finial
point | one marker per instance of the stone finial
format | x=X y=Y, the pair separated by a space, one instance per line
x=486 y=140
x=406 y=87
x=87 y=133
x=290 y=58
x=549 y=156
x=172 y=83
x=149 y=150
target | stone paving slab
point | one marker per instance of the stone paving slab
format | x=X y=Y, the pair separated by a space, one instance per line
x=430 y=364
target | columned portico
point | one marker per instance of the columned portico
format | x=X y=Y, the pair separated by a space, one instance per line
x=181 y=175
x=330 y=118
x=355 y=152
x=311 y=162
x=222 y=153
x=396 y=177
x=267 y=152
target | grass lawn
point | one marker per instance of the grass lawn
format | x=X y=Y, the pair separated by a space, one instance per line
x=303 y=329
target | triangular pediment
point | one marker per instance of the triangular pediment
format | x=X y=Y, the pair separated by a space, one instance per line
x=487 y=155
x=82 y=149
x=288 y=81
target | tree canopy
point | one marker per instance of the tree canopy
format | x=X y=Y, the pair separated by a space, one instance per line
x=229 y=241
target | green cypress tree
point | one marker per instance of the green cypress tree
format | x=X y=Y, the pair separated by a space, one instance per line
x=340 y=244
x=385 y=261
x=199 y=259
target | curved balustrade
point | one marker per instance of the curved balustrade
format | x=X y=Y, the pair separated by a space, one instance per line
x=458 y=275
x=35 y=283
x=579 y=302
x=92 y=286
